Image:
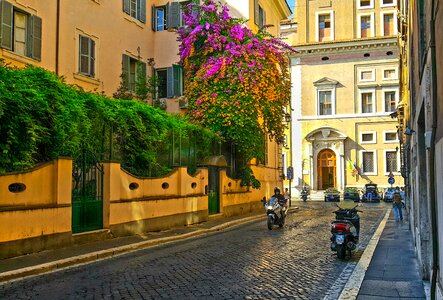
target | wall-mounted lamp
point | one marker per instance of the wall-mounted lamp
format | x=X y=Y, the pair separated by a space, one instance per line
x=409 y=131
x=393 y=114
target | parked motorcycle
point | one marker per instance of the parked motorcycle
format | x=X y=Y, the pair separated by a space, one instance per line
x=345 y=231
x=276 y=212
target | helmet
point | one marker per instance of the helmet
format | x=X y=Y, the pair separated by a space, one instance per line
x=276 y=190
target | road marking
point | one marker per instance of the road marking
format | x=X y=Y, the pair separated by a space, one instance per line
x=352 y=287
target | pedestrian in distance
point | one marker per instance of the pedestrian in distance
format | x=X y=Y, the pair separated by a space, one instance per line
x=286 y=194
x=397 y=205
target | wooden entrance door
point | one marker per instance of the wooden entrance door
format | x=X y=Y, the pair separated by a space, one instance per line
x=326 y=169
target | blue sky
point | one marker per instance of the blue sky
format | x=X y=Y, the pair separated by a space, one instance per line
x=291 y=4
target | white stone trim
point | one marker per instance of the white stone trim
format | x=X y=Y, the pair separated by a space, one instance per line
x=360 y=71
x=375 y=162
x=331 y=15
x=371 y=5
x=382 y=23
x=389 y=68
x=393 y=141
x=374 y=137
x=385 y=164
x=374 y=100
x=344 y=116
x=394 y=3
x=317 y=102
x=296 y=125
x=397 y=97
x=371 y=14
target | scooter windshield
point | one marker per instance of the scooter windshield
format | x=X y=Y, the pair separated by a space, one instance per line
x=272 y=201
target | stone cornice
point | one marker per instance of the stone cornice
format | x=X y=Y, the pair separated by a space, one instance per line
x=359 y=45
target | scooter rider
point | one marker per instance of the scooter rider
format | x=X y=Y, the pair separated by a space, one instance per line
x=281 y=199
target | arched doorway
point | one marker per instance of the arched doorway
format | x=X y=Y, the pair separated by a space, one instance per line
x=326 y=169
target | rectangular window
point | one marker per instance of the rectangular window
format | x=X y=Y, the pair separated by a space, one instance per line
x=389 y=74
x=20 y=32
x=133 y=72
x=183 y=7
x=365 y=24
x=162 y=88
x=365 y=4
x=160 y=18
x=136 y=9
x=391 y=161
x=390 y=101
x=388 y=24
x=391 y=136
x=86 y=56
x=367 y=138
x=261 y=17
x=386 y=3
x=324 y=27
x=367 y=103
x=367 y=75
x=368 y=162
x=325 y=102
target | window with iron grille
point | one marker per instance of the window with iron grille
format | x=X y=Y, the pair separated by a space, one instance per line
x=391 y=161
x=368 y=162
x=324 y=27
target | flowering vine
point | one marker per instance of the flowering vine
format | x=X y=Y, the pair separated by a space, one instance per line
x=236 y=81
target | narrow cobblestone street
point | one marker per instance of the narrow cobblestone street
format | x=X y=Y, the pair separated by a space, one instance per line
x=245 y=262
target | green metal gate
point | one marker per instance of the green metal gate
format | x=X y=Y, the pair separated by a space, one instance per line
x=214 y=190
x=87 y=194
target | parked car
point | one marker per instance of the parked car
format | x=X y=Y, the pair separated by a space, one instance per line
x=389 y=194
x=332 y=195
x=370 y=193
x=351 y=193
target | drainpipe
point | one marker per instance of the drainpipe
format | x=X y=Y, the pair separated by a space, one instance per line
x=433 y=198
x=57 y=38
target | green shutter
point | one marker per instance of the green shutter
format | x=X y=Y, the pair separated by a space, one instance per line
x=169 y=82
x=142 y=11
x=177 y=78
x=126 y=61
x=6 y=14
x=36 y=38
x=174 y=15
x=256 y=12
x=166 y=16
x=127 y=6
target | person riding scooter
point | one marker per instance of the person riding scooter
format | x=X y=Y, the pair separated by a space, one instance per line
x=304 y=193
x=281 y=199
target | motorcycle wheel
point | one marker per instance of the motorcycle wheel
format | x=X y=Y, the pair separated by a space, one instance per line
x=341 y=251
x=270 y=222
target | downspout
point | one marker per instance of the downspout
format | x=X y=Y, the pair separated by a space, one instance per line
x=57 y=38
x=433 y=198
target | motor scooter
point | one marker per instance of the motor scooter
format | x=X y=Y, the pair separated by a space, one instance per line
x=276 y=212
x=345 y=231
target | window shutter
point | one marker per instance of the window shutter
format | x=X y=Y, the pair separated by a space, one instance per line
x=36 y=38
x=153 y=18
x=142 y=10
x=169 y=82
x=142 y=70
x=127 y=6
x=256 y=12
x=92 y=58
x=6 y=25
x=264 y=19
x=174 y=15
x=177 y=70
x=126 y=61
x=166 y=16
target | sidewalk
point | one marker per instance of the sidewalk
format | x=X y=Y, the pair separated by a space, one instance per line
x=393 y=272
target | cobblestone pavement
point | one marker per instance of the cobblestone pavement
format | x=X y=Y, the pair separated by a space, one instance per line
x=245 y=262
